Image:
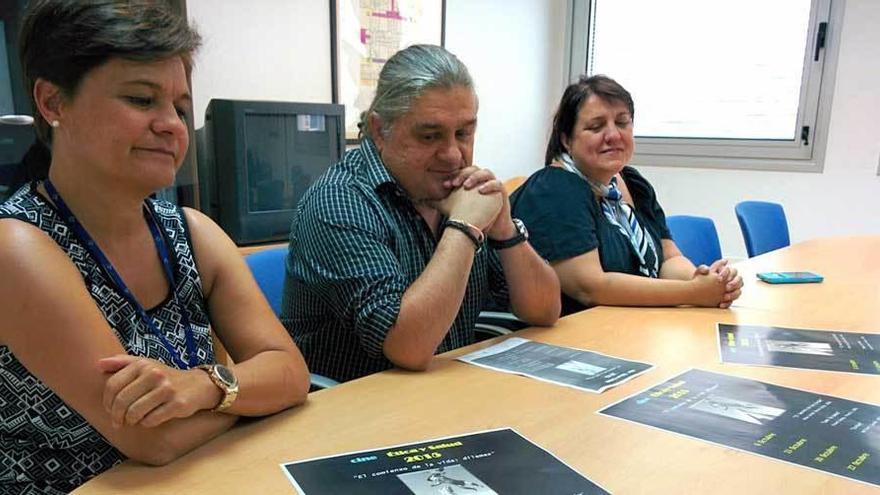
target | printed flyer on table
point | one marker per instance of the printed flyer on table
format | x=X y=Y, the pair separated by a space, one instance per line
x=800 y=348
x=576 y=368
x=496 y=462
x=821 y=432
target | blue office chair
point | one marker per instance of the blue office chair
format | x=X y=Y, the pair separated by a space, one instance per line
x=268 y=269
x=763 y=226
x=696 y=237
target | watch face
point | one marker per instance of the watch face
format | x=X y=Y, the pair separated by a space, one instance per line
x=225 y=374
x=521 y=227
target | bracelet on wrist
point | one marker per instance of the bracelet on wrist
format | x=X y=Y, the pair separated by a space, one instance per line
x=471 y=231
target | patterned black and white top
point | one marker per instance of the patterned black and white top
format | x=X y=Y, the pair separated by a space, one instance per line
x=46 y=446
x=356 y=244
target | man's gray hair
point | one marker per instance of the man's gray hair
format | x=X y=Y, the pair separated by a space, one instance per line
x=406 y=76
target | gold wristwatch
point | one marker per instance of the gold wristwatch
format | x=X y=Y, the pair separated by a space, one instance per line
x=225 y=380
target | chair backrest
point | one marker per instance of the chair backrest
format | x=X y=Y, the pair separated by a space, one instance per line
x=268 y=268
x=763 y=226
x=513 y=183
x=696 y=237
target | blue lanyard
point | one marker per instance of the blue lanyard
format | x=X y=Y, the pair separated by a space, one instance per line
x=162 y=249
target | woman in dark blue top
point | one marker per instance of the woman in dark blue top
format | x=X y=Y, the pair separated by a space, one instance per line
x=597 y=220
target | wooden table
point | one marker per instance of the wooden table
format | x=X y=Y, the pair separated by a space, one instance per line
x=454 y=398
x=245 y=250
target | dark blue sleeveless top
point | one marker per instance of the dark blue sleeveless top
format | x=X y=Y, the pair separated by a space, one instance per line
x=46 y=446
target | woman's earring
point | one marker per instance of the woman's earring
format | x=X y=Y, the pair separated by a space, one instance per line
x=55 y=124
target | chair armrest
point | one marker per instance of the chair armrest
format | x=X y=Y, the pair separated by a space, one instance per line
x=484 y=331
x=320 y=382
x=501 y=319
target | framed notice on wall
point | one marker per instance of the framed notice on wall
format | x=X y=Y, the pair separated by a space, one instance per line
x=365 y=34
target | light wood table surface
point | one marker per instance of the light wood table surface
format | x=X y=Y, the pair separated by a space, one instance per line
x=455 y=398
x=245 y=250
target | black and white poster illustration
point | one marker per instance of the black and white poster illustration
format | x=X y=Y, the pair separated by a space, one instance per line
x=821 y=432
x=800 y=348
x=496 y=462
x=445 y=480
x=584 y=370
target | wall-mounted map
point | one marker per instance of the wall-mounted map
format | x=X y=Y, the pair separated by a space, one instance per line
x=368 y=33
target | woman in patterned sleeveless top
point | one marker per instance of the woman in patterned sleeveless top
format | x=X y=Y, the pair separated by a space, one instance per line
x=109 y=296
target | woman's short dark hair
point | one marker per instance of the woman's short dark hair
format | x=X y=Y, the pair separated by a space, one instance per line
x=572 y=99
x=62 y=40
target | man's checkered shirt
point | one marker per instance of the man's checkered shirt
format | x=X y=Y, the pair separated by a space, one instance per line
x=356 y=244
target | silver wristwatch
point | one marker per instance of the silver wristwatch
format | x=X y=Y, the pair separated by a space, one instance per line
x=522 y=235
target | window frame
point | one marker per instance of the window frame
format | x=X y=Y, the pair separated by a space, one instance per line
x=814 y=107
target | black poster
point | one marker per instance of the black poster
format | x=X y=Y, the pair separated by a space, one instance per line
x=576 y=368
x=820 y=432
x=498 y=462
x=800 y=348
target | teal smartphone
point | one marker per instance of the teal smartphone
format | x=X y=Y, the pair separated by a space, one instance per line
x=790 y=277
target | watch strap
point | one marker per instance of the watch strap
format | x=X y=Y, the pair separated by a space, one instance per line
x=521 y=236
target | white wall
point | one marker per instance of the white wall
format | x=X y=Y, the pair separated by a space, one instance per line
x=280 y=50
x=842 y=200
x=261 y=50
x=514 y=50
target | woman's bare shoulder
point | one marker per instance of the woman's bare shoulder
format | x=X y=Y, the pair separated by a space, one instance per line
x=21 y=239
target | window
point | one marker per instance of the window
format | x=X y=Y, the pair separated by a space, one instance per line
x=743 y=84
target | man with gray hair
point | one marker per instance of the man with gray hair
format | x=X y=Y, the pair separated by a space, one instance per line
x=388 y=263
